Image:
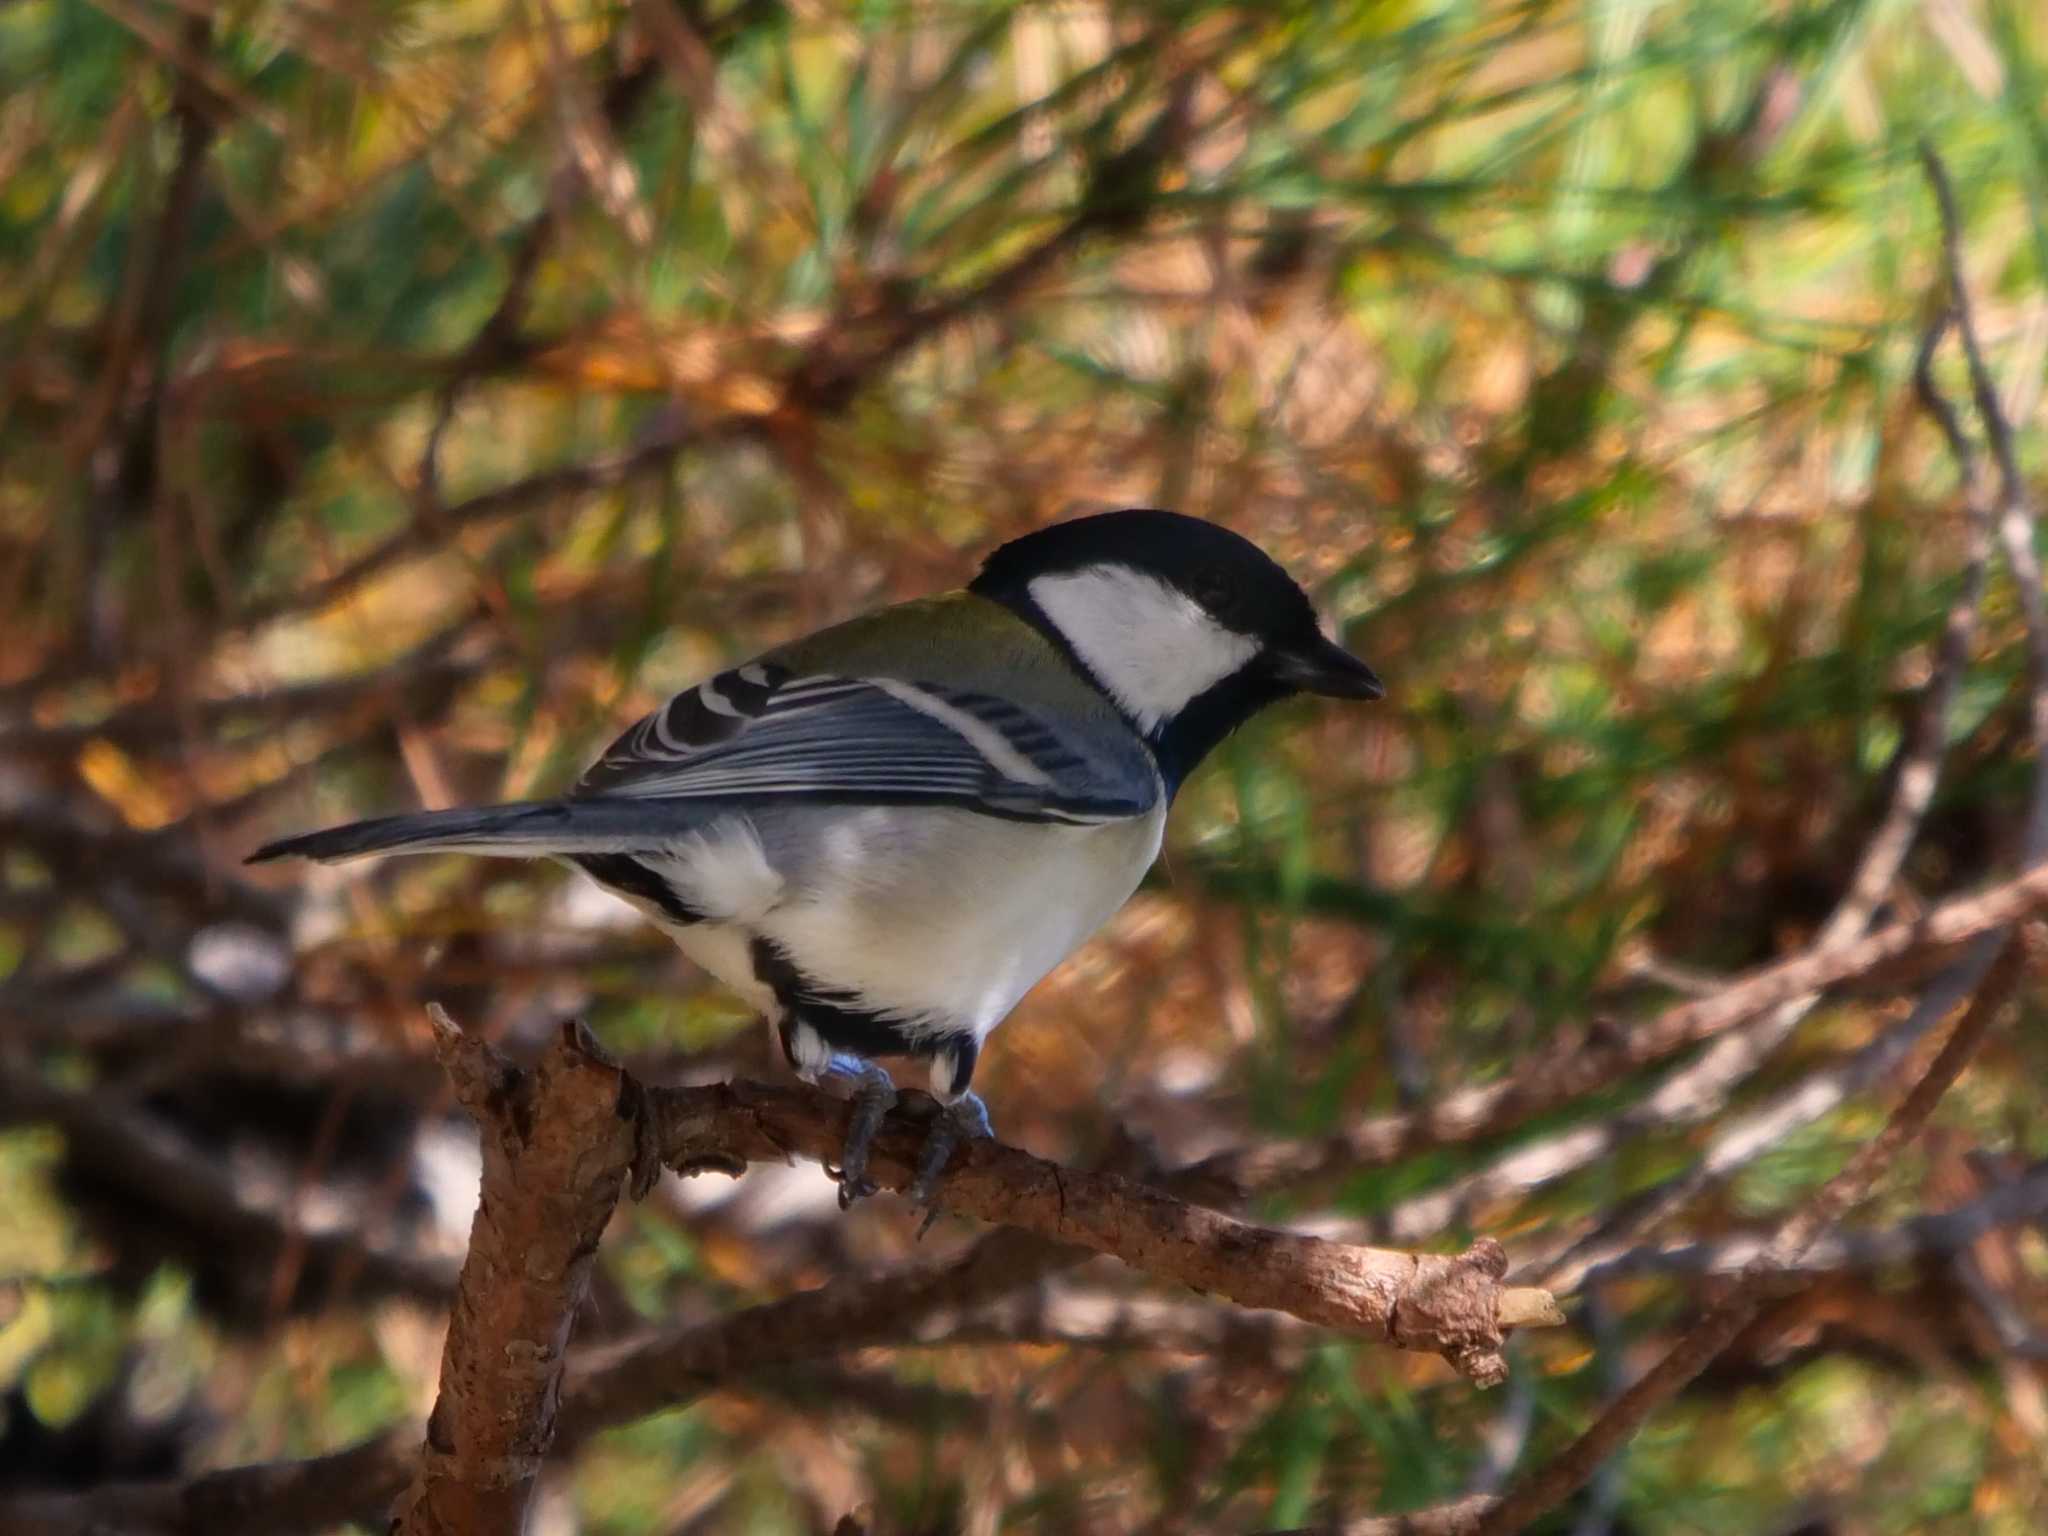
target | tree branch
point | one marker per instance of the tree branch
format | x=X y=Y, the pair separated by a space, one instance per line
x=1453 y=1306
x=558 y=1142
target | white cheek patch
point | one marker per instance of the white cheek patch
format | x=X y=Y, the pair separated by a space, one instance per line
x=1152 y=648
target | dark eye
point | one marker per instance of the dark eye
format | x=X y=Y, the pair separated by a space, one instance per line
x=1213 y=590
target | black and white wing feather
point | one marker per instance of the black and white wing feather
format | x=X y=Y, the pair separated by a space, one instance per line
x=763 y=730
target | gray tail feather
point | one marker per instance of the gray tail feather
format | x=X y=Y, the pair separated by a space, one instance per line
x=526 y=830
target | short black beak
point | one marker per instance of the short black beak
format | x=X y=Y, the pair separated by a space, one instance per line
x=1325 y=667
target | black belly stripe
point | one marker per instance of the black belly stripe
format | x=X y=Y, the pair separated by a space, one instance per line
x=623 y=873
x=842 y=1021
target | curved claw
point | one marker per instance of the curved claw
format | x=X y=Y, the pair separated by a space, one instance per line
x=872 y=1101
x=965 y=1119
x=851 y=1190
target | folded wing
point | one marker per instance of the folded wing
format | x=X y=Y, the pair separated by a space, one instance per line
x=763 y=730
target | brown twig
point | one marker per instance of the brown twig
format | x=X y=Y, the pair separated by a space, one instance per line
x=2018 y=518
x=613 y=1385
x=607 y=1386
x=1997 y=430
x=1742 y=1139
x=1699 y=1089
x=825 y=381
x=1766 y=1277
x=2012 y=515
x=1109 y=1322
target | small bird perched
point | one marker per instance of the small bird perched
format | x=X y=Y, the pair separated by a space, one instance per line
x=884 y=834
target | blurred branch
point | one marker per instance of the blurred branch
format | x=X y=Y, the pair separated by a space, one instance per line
x=1985 y=975
x=1997 y=430
x=652 y=454
x=1603 y=1328
x=264 y=1499
x=1602 y=1059
x=1094 y=1320
x=1935 y=1234
x=826 y=380
x=1766 y=1277
x=1461 y=1517
x=1741 y=1139
x=607 y=1386
x=498 y=341
x=150 y=1156
x=620 y=1383
x=160 y=862
x=560 y=1142
x=414 y=683
x=123 y=425
x=2009 y=511
x=1119 y=198
x=849 y=356
x=322 y=1493
x=637 y=1377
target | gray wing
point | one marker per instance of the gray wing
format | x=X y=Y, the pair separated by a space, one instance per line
x=762 y=730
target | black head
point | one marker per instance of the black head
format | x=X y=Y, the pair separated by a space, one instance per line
x=1189 y=628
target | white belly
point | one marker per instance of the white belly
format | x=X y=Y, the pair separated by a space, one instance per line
x=938 y=919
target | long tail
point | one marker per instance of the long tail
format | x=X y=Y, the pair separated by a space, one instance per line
x=529 y=829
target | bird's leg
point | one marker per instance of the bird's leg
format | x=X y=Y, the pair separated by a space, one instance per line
x=874 y=1095
x=964 y=1118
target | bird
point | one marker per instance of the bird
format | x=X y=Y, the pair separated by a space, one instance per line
x=883 y=834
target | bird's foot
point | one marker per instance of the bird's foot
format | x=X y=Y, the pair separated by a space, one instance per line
x=965 y=1119
x=874 y=1095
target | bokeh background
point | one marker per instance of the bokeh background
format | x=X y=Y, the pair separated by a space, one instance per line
x=396 y=398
